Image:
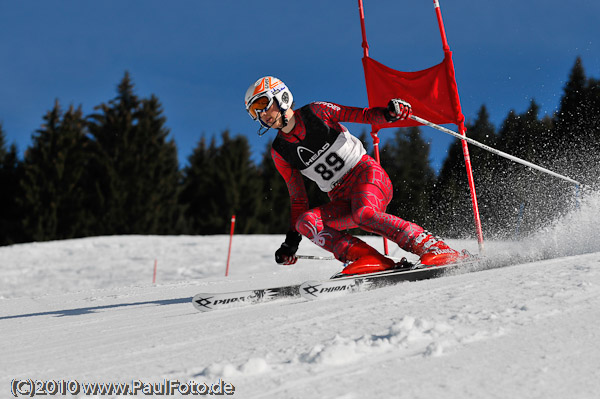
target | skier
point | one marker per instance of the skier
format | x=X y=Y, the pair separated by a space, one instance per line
x=311 y=141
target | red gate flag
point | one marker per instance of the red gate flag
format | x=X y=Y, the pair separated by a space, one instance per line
x=432 y=92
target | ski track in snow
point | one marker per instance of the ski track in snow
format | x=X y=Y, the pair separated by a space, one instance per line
x=86 y=310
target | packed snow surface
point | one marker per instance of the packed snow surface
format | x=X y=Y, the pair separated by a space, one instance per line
x=86 y=310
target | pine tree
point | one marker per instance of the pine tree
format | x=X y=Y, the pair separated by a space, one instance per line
x=197 y=188
x=275 y=209
x=483 y=164
x=569 y=135
x=576 y=127
x=406 y=160
x=591 y=154
x=11 y=230
x=452 y=206
x=158 y=189
x=220 y=182
x=3 y=150
x=525 y=199
x=135 y=166
x=452 y=196
x=55 y=178
x=238 y=189
x=114 y=159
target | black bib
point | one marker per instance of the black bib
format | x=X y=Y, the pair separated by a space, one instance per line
x=318 y=138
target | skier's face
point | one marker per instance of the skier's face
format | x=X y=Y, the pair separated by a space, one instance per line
x=272 y=116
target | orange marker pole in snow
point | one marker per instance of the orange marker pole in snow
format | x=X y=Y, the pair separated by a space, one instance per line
x=230 y=241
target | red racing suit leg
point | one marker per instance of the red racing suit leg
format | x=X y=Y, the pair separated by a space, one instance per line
x=359 y=200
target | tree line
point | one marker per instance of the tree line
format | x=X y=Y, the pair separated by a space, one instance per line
x=116 y=171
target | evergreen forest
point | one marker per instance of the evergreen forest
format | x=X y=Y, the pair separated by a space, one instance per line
x=116 y=172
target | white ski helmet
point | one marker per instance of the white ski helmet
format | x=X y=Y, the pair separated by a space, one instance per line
x=272 y=89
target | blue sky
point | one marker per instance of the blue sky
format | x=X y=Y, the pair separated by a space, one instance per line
x=199 y=57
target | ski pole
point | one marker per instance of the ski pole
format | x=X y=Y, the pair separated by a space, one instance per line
x=492 y=150
x=313 y=257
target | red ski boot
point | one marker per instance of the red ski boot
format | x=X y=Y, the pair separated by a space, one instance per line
x=435 y=252
x=366 y=259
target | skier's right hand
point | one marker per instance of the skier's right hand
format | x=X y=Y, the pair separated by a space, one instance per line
x=286 y=254
x=397 y=109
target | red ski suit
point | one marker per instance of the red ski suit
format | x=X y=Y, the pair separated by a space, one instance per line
x=358 y=187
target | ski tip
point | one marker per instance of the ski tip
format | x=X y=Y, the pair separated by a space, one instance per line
x=203 y=302
x=207 y=302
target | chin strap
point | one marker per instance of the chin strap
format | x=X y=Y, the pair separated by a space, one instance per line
x=262 y=130
x=265 y=128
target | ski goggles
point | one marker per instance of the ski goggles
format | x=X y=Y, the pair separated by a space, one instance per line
x=259 y=105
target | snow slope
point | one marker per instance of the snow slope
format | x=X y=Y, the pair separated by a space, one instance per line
x=87 y=310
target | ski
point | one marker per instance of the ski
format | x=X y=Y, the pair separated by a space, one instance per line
x=206 y=302
x=342 y=285
x=338 y=285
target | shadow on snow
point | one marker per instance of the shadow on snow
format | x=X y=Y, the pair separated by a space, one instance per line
x=93 y=309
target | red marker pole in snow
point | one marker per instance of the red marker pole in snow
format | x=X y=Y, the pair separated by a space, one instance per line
x=230 y=241
x=154 y=275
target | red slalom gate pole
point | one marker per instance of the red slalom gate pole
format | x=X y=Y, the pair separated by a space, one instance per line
x=230 y=241
x=378 y=159
x=374 y=131
x=462 y=130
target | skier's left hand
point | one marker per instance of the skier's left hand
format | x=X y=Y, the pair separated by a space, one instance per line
x=397 y=109
x=286 y=254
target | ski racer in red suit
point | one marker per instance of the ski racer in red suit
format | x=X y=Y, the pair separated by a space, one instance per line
x=312 y=142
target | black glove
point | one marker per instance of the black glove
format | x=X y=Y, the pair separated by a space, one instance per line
x=286 y=254
x=397 y=109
